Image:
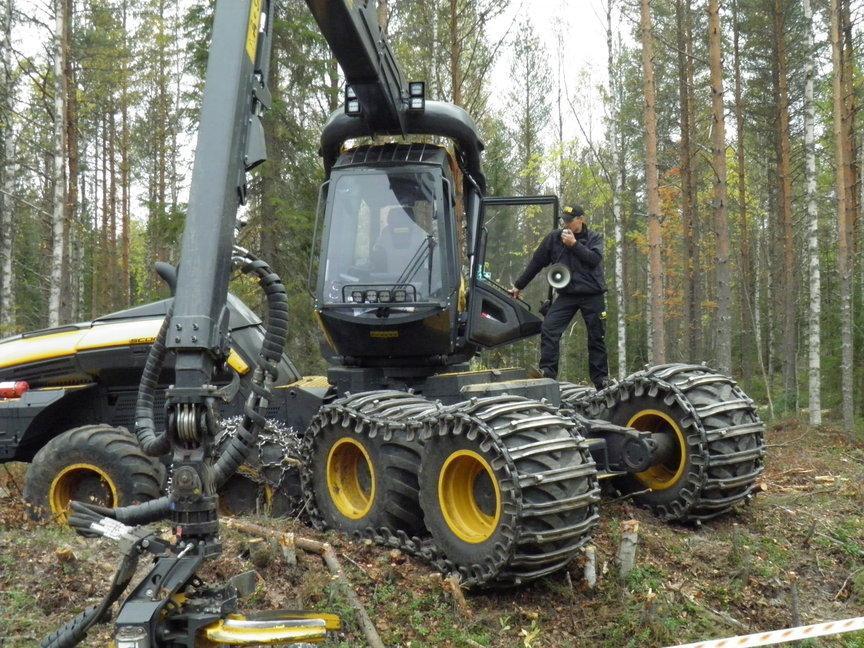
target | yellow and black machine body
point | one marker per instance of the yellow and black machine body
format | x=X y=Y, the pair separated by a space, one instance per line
x=490 y=474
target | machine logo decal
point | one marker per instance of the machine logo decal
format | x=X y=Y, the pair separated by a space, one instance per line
x=252 y=31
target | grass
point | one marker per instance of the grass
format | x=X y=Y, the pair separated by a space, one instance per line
x=688 y=583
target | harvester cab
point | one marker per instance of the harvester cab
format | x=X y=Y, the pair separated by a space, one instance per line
x=401 y=281
x=402 y=287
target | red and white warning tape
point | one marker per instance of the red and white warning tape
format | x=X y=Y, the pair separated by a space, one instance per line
x=781 y=636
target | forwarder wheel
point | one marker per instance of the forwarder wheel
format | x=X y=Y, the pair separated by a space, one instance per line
x=508 y=491
x=268 y=482
x=709 y=436
x=99 y=464
x=360 y=469
x=574 y=397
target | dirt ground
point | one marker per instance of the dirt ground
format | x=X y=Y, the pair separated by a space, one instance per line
x=728 y=577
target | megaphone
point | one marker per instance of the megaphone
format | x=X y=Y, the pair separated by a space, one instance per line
x=558 y=276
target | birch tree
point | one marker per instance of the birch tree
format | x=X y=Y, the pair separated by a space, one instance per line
x=721 y=222
x=55 y=282
x=843 y=265
x=7 y=173
x=655 y=237
x=814 y=383
x=617 y=152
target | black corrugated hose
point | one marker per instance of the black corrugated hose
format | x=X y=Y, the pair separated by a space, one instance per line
x=234 y=454
x=239 y=446
x=151 y=443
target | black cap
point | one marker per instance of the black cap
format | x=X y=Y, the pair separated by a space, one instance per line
x=569 y=212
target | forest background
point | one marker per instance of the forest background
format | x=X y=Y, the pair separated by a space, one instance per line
x=721 y=156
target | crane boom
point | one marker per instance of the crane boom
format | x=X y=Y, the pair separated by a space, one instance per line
x=353 y=34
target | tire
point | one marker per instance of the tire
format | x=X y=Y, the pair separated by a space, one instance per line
x=708 y=416
x=574 y=396
x=268 y=482
x=532 y=487
x=361 y=464
x=96 y=463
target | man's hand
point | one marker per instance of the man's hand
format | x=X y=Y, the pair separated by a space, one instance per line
x=515 y=292
x=568 y=238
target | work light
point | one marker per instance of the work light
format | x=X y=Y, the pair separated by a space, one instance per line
x=352 y=103
x=417 y=95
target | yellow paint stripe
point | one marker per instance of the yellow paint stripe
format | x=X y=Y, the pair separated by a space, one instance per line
x=100 y=336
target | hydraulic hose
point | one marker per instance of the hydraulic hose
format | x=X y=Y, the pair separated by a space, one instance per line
x=238 y=447
x=152 y=443
x=266 y=373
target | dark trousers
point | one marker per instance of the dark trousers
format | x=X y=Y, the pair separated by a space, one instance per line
x=562 y=311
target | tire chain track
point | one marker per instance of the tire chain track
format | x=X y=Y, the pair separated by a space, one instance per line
x=413 y=419
x=278 y=455
x=728 y=433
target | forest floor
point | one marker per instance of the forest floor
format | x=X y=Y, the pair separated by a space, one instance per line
x=728 y=577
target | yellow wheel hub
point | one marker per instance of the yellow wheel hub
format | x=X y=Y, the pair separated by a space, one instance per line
x=84 y=482
x=469 y=496
x=350 y=478
x=667 y=473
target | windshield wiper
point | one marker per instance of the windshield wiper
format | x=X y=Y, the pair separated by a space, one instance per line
x=416 y=262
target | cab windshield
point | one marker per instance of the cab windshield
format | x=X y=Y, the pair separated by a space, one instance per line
x=383 y=239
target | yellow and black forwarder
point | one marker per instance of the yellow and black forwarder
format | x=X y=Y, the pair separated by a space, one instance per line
x=71 y=399
x=491 y=475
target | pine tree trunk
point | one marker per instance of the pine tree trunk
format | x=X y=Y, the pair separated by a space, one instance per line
x=843 y=265
x=814 y=384
x=7 y=177
x=721 y=221
x=655 y=242
x=58 y=230
x=112 y=209
x=784 y=204
x=616 y=149
x=692 y=317
x=125 y=241
x=383 y=15
x=455 y=54
x=849 y=131
x=745 y=282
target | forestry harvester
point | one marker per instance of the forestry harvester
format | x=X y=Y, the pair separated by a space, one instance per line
x=489 y=474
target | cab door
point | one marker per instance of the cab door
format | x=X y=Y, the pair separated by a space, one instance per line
x=510 y=229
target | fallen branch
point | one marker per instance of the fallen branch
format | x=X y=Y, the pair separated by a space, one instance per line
x=716 y=614
x=846 y=582
x=325 y=550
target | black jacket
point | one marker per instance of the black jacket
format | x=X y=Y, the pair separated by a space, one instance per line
x=585 y=260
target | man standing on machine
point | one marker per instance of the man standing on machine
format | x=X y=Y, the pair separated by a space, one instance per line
x=581 y=250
